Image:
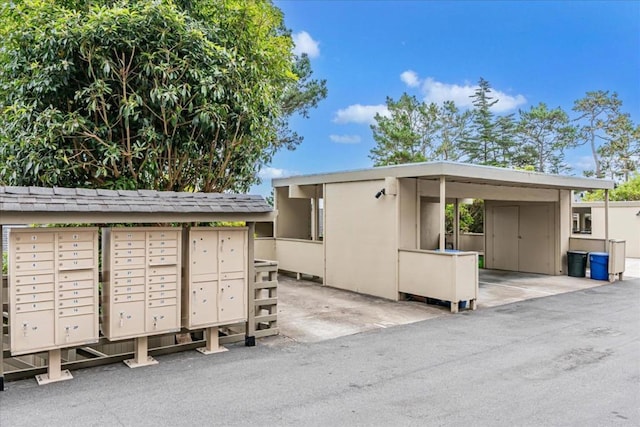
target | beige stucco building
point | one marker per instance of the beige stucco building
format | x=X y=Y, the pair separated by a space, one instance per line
x=624 y=223
x=381 y=231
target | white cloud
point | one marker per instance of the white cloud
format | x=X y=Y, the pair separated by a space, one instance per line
x=270 y=173
x=410 y=78
x=360 y=113
x=583 y=163
x=304 y=43
x=345 y=139
x=438 y=92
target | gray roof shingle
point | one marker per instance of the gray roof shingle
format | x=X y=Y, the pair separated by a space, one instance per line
x=57 y=199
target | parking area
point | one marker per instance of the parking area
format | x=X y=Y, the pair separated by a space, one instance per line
x=310 y=312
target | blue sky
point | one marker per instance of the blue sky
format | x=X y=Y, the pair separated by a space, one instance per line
x=530 y=52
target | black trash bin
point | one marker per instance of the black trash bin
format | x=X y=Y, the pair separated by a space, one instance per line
x=577 y=263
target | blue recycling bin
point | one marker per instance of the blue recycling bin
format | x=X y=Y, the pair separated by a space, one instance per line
x=599 y=262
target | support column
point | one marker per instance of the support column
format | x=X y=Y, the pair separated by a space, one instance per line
x=443 y=204
x=314 y=219
x=606 y=219
x=141 y=357
x=250 y=329
x=1 y=318
x=456 y=226
x=54 y=369
x=212 y=344
x=607 y=245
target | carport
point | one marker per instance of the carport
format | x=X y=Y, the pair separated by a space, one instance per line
x=381 y=231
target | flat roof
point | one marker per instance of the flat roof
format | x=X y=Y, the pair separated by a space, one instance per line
x=26 y=205
x=453 y=172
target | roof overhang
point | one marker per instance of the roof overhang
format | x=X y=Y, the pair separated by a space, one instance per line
x=39 y=205
x=453 y=172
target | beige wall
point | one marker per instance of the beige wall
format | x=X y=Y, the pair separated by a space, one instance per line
x=265 y=248
x=563 y=227
x=624 y=223
x=587 y=244
x=300 y=256
x=294 y=215
x=408 y=213
x=471 y=242
x=445 y=276
x=429 y=223
x=361 y=238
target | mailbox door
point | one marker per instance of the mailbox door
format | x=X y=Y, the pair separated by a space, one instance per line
x=232 y=301
x=32 y=331
x=232 y=250
x=127 y=319
x=203 y=252
x=77 y=329
x=204 y=303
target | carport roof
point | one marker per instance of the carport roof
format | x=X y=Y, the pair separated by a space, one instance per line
x=453 y=172
x=24 y=205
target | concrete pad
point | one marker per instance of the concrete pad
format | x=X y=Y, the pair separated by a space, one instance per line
x=310 y=312
x=632 y=268
x=505 y=287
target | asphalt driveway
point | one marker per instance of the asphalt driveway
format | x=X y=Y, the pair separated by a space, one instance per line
x=567 y=359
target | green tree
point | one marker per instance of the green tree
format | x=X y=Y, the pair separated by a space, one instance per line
x=173 y=95
x=489 y=142
x=407 y=135
x=629 y=190
x=594 y=110
x=506 y=129
x=543 y=136
x=453 y=129
x=620 y=154
x=415 y=131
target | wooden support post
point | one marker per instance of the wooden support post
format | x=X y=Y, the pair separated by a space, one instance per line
x=141 y=357
x=454 y=307
x=443 y=203
x=606 y=220
x=212 y=345
x=314 y=216
x=250 y=334
x=1 y=318
x=456 y=226
x=54 y=370
x=607 y=243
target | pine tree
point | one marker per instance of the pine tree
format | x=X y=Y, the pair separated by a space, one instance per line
x=480 y=146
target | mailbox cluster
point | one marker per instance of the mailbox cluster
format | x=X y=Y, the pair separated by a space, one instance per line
x=53 y=283
x=215 y=290
x=141 y=275
x=53 y=290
